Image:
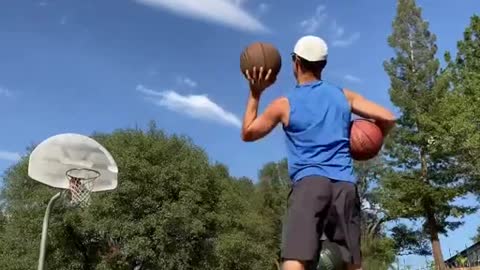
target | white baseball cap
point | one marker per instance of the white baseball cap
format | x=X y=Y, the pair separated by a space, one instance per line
x=311 y=48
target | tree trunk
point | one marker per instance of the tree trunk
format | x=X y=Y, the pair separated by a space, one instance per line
x=436 y=248
x=432 y=221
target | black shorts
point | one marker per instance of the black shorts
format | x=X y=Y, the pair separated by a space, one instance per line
x=318 y=206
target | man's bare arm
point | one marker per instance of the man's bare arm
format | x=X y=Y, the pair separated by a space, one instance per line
x=368 y=109
x=254 y=127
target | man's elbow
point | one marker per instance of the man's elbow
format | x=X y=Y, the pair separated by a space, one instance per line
x=247 y=136
x=387 y=122
x=251 y=135
x=390 y=117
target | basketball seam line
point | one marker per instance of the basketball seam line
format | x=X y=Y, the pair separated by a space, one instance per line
x=366 y=135
x=264 y=56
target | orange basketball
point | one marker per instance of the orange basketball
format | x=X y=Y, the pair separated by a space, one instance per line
x=366 y=139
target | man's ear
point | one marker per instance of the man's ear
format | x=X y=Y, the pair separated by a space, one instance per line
x=296 y=64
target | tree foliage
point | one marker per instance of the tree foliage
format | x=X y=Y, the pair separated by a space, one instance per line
x=476 y=238
x=171 y=210
x=463 y=114
x=378 y=249
x=423 y=177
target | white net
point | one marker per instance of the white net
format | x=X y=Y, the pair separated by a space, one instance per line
x=81 y=183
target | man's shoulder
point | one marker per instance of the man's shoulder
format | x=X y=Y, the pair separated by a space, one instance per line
x=281 y=102
x=281 y=107
x=331 y=85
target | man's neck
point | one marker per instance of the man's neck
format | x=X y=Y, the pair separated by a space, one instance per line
x=307 y=78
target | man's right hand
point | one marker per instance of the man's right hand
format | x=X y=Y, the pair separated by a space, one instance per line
x=368 y=109
x=259 y=79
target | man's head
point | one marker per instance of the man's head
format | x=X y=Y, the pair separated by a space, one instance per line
x=309 y=57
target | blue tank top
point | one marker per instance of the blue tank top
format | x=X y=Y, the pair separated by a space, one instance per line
x=318 y=132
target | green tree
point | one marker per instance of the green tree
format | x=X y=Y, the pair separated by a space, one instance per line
x=23 y=203
x=423 y=179
x=272 y=189
x=476 y=238
x=378 y=250
x=463 y=113
x=242 y=231
x=171 y=210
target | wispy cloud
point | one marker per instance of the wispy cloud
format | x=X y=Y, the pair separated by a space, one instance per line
x=336 y=32
x=195 y=106
x=352 y=78
x=311 y=24
x=182 y=80
x=9 y=156
x=261 y=8
x=339 y=37
x=238 y=2
x=225 y=12
x=346 y=41
x=5 y=92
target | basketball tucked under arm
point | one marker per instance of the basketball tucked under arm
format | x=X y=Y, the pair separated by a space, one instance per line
x=368 y=109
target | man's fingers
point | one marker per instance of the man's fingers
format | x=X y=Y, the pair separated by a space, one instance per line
x=247 y=74
x=267 y=77
x=260 y=74
x=255 y=75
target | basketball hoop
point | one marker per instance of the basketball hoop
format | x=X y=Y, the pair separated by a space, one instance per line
x=62 y=162
x=81 y=183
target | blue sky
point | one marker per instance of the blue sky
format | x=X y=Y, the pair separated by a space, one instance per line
x=85 y=66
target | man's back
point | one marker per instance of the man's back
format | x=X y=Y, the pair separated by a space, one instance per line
x=317 y=135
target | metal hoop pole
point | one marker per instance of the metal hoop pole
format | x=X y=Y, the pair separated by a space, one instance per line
x=43 y=242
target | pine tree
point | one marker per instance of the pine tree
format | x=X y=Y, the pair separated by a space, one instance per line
x=423 y=180
x=464 y=114
x=476 y=238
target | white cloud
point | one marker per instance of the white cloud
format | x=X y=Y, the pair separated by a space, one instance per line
x=347 y=41
x=5 y=92
x=336 y=33
x=195 y=106
x=9 y=156
x=225 y=12
x=311 y=25
x=237 y=2
x=186 y=81
x=337 y=29
x=352 y=78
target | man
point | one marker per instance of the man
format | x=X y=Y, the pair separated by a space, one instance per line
x=316 y=118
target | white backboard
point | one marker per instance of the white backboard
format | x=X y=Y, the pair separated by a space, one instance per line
x=52 y=158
